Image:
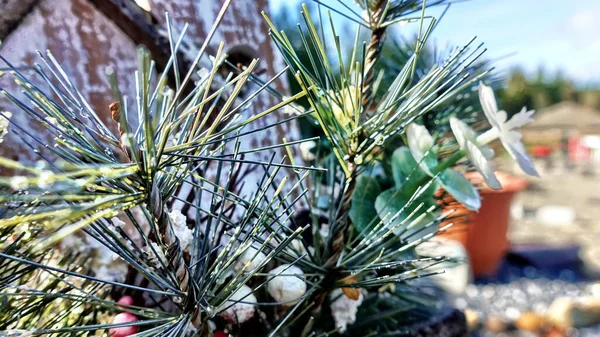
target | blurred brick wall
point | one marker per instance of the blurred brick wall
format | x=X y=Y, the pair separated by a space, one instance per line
x=85 y=41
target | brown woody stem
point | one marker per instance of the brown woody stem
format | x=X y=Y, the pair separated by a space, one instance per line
x=174 y=253
x=373 y=52
x=337 y=242
x=342 y=224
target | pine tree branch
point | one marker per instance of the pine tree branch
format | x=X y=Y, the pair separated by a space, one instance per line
x=342 y=224
x=337 y=241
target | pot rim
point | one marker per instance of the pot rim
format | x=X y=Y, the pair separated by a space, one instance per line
x=510 y=183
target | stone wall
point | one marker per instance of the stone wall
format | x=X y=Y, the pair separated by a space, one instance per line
x=87 y=36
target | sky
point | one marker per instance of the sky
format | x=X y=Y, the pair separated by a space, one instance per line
x=559 y=35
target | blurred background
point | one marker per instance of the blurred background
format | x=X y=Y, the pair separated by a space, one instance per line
x=533 y=248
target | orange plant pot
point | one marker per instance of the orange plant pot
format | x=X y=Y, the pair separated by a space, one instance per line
x=484 y=233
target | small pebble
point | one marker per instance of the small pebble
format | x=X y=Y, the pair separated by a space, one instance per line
x=567 y=312
x=496 y=324
x=473 y=319
x=556 y=332
x=530 y=321
x=512 y=313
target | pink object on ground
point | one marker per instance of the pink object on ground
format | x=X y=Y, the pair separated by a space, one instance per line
x=124 y=317
x=126 y=301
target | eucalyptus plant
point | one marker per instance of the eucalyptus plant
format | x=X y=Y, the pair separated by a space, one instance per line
x=141 y=226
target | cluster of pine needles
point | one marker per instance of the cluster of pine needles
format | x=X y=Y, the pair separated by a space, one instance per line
x=112 y=188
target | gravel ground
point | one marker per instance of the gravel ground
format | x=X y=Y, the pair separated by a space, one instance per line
x=510 y=300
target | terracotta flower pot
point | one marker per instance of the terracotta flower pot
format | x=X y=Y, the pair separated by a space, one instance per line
x=483 y=233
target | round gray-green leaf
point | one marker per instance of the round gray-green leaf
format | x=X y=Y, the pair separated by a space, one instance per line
x=460 y=188
x=392 y=201
x=362 y=209
x=405 y=166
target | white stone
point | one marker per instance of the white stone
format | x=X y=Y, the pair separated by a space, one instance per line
x=106 y=264
x=19 y=183
x=45 y=179
x=324 y=230
x=118 y=223
x=249 y=260
x=287 y=287
x=594 y=289
x=181 y=230
x=4 y=117
x=155 y=255
x=296 y=248
x=456 y=275
x=574 y=312
x=344 y=309
x=305 y=148
x=239 y=312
